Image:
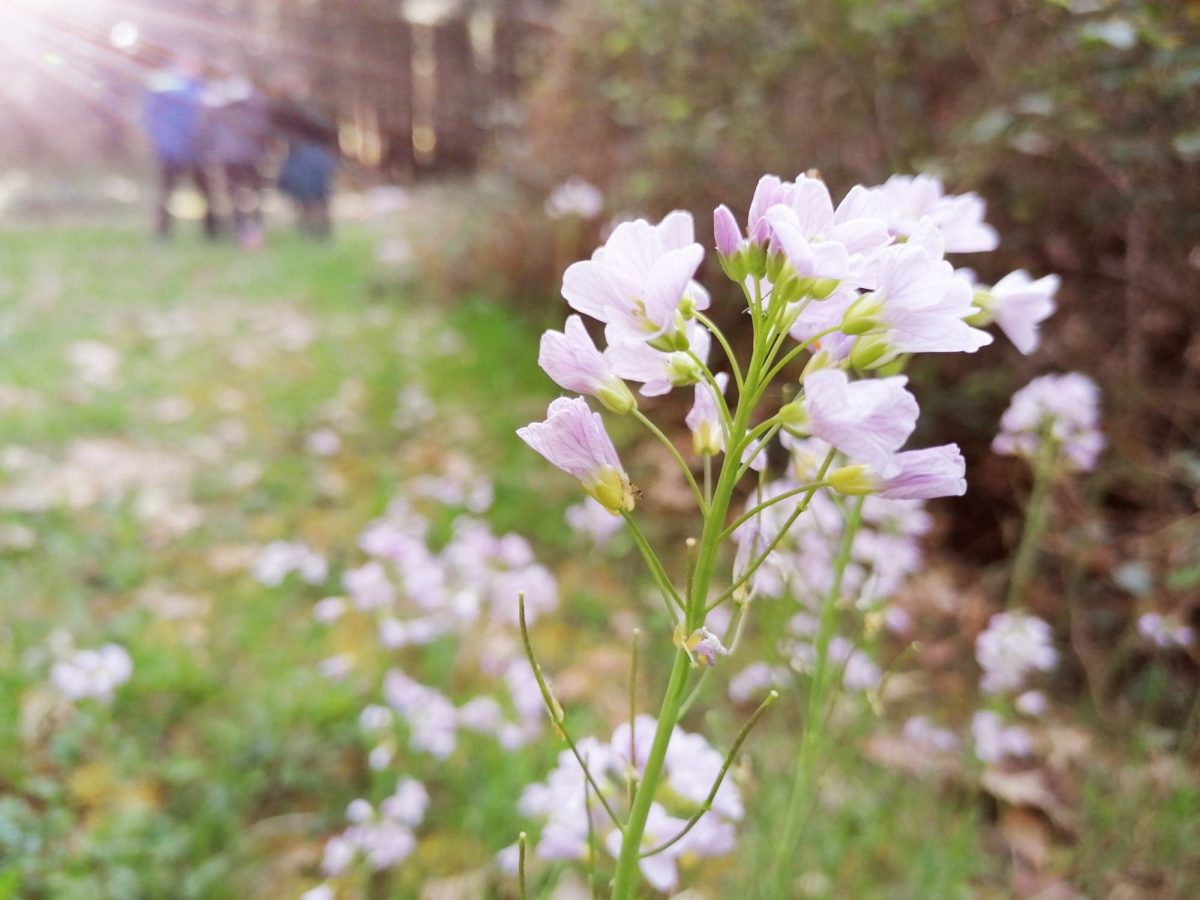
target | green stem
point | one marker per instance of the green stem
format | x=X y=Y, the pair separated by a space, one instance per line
x=766 y=504
x=670 y=595
x=557 y=716
x=712 y=794
x=802 y=782
x=625 y=880
x=1035 y=521
x=729 y=354
x=521 y=838
x=699 y=579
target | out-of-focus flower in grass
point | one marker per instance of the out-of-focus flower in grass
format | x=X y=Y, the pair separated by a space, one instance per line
x=1013 y=645
x=1162 y=632
x=994 y=740
x=92 y=674
x=323 y=442
x=1063 y=408
x=591 y=520
x=575 y=197
x=279 y=559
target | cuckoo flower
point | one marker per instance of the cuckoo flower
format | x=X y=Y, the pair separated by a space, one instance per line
x=921 y=304
x=1020 y=304
x=637 y=281
x=572 y=360
x=1066 y=407
x=660 y=370
x=573 y=438
x=904 y=200
x=868 y=420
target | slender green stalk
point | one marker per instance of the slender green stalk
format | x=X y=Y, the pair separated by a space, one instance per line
x=712 y=794
x=729 y=354
x=722 y=405
x=557 y=716
x=521 y=839
x=757 y=562
x=802 y=782
x=633 y=672
x=767 y=504
x=1036 y=513
x=670 y=595
x=625 y=880
x=683 y=466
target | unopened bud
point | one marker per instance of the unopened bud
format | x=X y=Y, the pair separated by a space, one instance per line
x=616 y=397
x=871 y=351
x=794 y=417
x=682 y=369
x=822 y=359
x=863 y=315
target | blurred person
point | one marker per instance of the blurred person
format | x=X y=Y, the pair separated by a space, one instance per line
x=306 y=175
x=171 y=119
x=235 y=130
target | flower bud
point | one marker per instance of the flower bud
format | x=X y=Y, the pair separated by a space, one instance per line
x=822 y=359
x=707 y=439
x=823 y=287
x=672 y=341
x=616 y=397
x=777 y=265
x=985 y=303
x=725 y=229
x=863 y=315
x=756 y=260
x=871 y=351
x=683 y=369
x=854 y=479
x=794 y=417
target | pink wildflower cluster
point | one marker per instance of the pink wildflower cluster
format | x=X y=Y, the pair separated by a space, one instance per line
x=92 y=674
x=279 y=559
x=569 y=811
x=467 y=590
x=1064 y=409
x=1012 y=646
x=375 y=838
x=1164 y=633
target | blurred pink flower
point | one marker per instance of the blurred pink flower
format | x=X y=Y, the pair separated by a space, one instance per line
x=1021 y=304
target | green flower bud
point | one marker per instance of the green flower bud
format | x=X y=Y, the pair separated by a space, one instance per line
x=823 y=287
x=871 y=351
x=863 y=314
x=818 y=361
x=617 y=397
x=794 y=417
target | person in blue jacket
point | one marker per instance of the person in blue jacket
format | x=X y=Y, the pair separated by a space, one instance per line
x=171 y=119
x=306 y=175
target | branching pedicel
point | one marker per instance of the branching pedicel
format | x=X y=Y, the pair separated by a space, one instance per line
x=842 y=293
